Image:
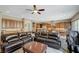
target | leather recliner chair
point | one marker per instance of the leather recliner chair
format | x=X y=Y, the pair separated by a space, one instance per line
x=76 y=44
x=11 y=42
x=43 y=35
x=25 y=37
x=54 y=36
x=73 y=41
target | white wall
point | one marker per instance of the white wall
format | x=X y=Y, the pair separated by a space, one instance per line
x=27 y=25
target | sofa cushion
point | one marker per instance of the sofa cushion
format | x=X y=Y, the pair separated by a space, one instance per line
x=9 y=37
x=12 y=38
x=23 y=34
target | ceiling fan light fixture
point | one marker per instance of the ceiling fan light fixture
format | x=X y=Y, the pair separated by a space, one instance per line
x=35 y=11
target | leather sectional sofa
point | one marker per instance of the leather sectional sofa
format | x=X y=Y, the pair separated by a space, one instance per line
x=14 y=41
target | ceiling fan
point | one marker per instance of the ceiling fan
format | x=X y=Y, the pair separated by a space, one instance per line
x=35 y=10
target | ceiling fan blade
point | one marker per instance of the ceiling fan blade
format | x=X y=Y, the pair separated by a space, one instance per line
x=38 y=12
x=32 y=12
x=41 y=10
x=34 y=7
x=29 y=9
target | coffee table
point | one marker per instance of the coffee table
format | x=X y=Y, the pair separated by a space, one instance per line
x=34 y=47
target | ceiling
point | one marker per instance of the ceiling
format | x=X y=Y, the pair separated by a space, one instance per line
x=51 y=13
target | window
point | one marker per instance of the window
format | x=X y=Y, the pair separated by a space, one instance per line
x=75 y=25
x=78 y=24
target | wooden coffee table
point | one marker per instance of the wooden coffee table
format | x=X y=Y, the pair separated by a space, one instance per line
x=34 y=47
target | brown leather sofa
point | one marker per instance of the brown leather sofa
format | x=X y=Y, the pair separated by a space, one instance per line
x=51 y=39
x=14 y=41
